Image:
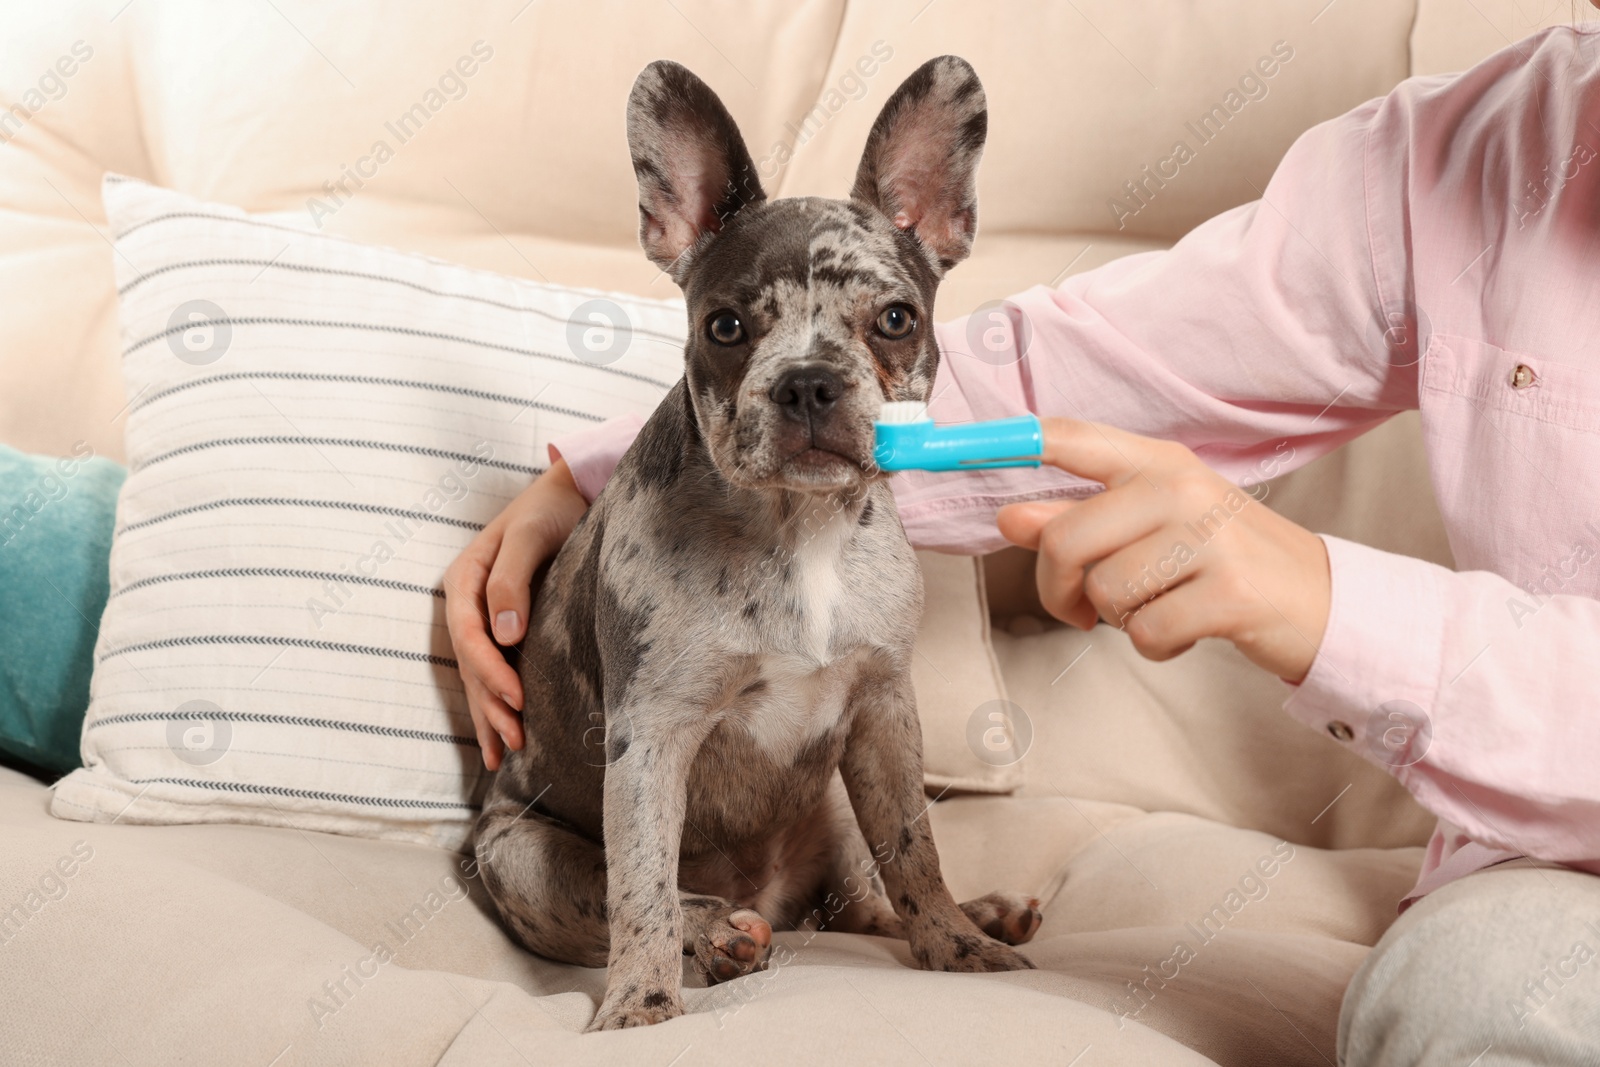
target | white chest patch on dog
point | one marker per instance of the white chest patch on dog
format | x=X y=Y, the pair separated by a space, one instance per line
x=816 y=579
x=805 y=689
x=799 y=703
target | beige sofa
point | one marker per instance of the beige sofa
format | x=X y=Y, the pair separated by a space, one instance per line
x=1158 y=806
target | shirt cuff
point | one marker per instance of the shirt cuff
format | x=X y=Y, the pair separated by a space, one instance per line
x=592 y=453
x=1376 y=674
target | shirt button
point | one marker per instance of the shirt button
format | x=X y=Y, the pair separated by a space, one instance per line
x=1522 y=376
x=1341 y=731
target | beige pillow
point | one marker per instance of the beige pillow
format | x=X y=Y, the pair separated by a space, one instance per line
x=973 y=740
x=315 y=428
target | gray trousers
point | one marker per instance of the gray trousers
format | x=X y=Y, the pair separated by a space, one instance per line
x=1501 y=967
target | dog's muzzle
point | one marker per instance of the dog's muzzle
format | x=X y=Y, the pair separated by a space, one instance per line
x=814 y=432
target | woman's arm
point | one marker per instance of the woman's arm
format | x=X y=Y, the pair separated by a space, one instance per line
x=1473 y=692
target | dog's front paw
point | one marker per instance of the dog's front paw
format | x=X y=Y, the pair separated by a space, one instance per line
x=640 y=1008
x=966 y=951
x=1009 y=917
x=733 y=943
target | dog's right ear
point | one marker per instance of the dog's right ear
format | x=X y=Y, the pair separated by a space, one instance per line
x=693 y=168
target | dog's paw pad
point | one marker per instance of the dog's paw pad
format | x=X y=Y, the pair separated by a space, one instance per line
x=1012 y=918
x=752 y=923
x=733 y=945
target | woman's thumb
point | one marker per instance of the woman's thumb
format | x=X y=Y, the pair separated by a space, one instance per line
x=1022 y=524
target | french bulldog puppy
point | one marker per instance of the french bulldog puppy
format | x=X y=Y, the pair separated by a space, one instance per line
x=721 y=733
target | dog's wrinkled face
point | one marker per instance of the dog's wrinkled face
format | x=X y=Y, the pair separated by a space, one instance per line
x=806 y=314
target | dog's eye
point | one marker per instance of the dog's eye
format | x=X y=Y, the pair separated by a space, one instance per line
x=725 y=328
x=896 y=321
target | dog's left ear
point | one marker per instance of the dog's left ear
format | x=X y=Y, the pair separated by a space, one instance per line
x=920 y=167
x=693 y=168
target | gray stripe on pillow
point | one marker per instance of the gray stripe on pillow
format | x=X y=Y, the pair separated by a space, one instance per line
x=306 y=794
x=286 y=642
x=334 y=442
x=288 y=720
x=364 y=379
x=278 y=572
x=296 y=502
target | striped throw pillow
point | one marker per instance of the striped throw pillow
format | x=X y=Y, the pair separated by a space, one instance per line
x=315 y=428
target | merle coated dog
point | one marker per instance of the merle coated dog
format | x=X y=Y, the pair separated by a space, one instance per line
x=722 y=735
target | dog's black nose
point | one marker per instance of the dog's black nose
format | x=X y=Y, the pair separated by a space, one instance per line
x=807 y=390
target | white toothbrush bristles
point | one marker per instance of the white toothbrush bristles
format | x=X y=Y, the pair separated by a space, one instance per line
x=896 y=412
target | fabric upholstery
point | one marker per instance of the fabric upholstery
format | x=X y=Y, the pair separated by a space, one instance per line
x=1173 y=781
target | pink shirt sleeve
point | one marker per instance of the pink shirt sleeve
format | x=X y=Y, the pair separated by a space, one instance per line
x=592 y=453
x=1504 y=747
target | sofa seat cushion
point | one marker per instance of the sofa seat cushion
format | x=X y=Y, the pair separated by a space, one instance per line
x=240 y=943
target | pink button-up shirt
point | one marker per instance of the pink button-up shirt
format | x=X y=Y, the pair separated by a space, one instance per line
x=1435 y=249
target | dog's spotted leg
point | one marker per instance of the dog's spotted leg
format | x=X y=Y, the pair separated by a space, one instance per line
x=645 y=797
x=548 y=883
x=882 y=771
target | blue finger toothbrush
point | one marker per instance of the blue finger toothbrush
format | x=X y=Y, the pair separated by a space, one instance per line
x=907 y=439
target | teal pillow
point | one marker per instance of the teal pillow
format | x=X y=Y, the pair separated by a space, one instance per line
x=56 y=516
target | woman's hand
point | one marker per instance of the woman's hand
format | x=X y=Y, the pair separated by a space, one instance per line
x=1172 y=552
x=491 y=580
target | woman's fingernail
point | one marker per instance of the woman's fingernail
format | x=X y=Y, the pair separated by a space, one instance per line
x=505 y=624
x=507 y=699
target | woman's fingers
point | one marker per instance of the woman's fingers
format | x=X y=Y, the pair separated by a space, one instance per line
x=486 y=676
x=1025 y=525
x=466 y=617
x=1093 y=529
x=496 y=724
x=1080 y=614
x=1093 y=450
x=489 y=742
x=1133 y=576
x=1170 y=624
x=1071 y=542
x=1021 y=524
x=1071 y=536
x=535 y=526
x=490 y=683
x=527 y=543
x=1172 y=552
